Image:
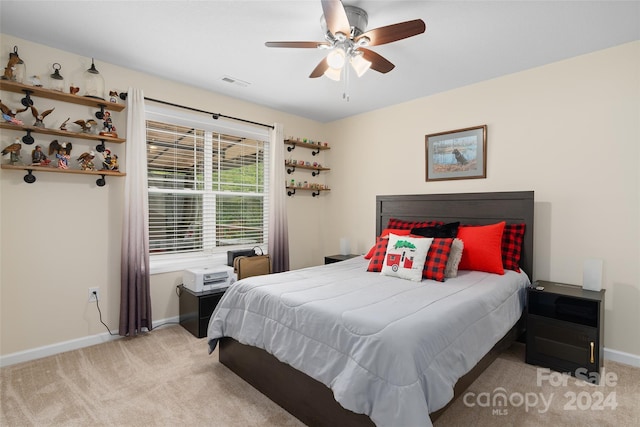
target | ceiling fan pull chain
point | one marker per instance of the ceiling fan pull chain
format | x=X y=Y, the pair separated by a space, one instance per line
x=345 y=93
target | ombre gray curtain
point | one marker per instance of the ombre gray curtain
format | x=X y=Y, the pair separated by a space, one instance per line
x=278 y=227
x=135 y=298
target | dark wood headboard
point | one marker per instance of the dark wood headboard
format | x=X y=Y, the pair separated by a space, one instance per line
x=468 y=208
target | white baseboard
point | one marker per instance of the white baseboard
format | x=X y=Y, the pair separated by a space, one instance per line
x=50 y=350
x=622 y=357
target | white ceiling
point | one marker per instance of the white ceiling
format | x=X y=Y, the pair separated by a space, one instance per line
x=201 y=42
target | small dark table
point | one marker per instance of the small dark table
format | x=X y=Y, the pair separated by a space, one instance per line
x=565 y=329
x=330 y=259
x=196 y=309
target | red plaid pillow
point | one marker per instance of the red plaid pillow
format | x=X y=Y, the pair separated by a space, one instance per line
x=379 y=251
x=437 y=258
x=408 y=225
x=512 y=238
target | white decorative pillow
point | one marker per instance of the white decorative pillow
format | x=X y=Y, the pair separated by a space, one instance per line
x=451 y=270
x=405 y=256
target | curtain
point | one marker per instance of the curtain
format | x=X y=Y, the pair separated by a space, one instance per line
x=135 y=298
x=278 y=228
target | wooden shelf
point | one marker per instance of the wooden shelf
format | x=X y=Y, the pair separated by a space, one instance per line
x=315 y=191
x=60 y=96
x=62 y=133
x=54 y=169
x=30 y=179
x=295 y=143
x=291 y=168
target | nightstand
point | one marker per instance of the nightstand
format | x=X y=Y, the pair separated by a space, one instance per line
x=337 y=258
x=196 y=309
x=565 y=329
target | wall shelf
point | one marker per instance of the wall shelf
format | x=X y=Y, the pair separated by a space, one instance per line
x=315 y=147
x=62 y=133
x=315 y=191
x=59 y=96
x=29 y=178
x=291 y=168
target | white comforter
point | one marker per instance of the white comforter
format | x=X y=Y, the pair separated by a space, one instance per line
x=389 y=348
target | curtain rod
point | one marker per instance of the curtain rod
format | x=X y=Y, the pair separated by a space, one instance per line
x=215 y=116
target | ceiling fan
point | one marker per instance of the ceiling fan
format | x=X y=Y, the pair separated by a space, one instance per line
x=346 y=40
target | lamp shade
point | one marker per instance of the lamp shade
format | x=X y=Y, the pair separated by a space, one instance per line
x=336 y=58
x=359 y=64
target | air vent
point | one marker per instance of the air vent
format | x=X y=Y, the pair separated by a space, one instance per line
x=237 y=82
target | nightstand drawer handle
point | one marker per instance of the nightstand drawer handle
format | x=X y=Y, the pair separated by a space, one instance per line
x=591 y=344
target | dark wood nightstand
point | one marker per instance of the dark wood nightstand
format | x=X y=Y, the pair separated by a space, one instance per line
x=565 y=329
x=337 y=258
x=196 y=309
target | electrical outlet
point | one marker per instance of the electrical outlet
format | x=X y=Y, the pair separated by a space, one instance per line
x=94 y=294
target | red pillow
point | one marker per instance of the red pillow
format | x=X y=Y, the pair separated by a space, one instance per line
x=385 y=235
x=512 y=238
x=482 y=248
x=437 y=258
x=401 y=224
x=379 y=251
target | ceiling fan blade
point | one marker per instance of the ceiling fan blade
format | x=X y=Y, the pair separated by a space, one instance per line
x=378 y=62
x=336 y=17
x=320 y=69
x=306 y=45
x=395 y=32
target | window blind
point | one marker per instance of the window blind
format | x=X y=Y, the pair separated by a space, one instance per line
x=208 y=190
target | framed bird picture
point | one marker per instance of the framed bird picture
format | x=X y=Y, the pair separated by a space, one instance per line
x=456 y=154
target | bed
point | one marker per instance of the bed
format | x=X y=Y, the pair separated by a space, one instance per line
x=336 y=333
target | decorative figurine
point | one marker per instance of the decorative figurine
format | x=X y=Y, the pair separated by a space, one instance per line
x=62 y=153
x=110 y=161
x=86 y=125
x=35 y=81
x=113 y=96
x=9 y=115
x=40 y=117
x=14 y=151
x=38 y=158
x=86 y=161
x=11 y=68
x=73 y=89
x=63 y=126
x=109 y=129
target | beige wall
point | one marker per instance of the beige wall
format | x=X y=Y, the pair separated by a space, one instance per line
x=568 y=131
x=61 y=235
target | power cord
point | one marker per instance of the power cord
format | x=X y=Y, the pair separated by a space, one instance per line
x=95 y=294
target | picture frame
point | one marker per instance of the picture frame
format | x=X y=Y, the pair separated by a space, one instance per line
x=456 y=154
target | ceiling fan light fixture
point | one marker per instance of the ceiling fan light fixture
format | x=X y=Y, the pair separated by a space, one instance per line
x=333 y=73
x=336 y=58
x=359 y=64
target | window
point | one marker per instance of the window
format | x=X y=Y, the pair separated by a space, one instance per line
x=208 y=189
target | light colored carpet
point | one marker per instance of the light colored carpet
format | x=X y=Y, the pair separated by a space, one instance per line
x=166 y=378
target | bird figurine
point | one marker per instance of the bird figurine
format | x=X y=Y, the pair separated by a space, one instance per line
x=35 y=81
x=63 y=126
x=86 y=125
x=14 y=151
x=40 y=117
x=62 y=153
x=9 y=115
x=86 y=161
